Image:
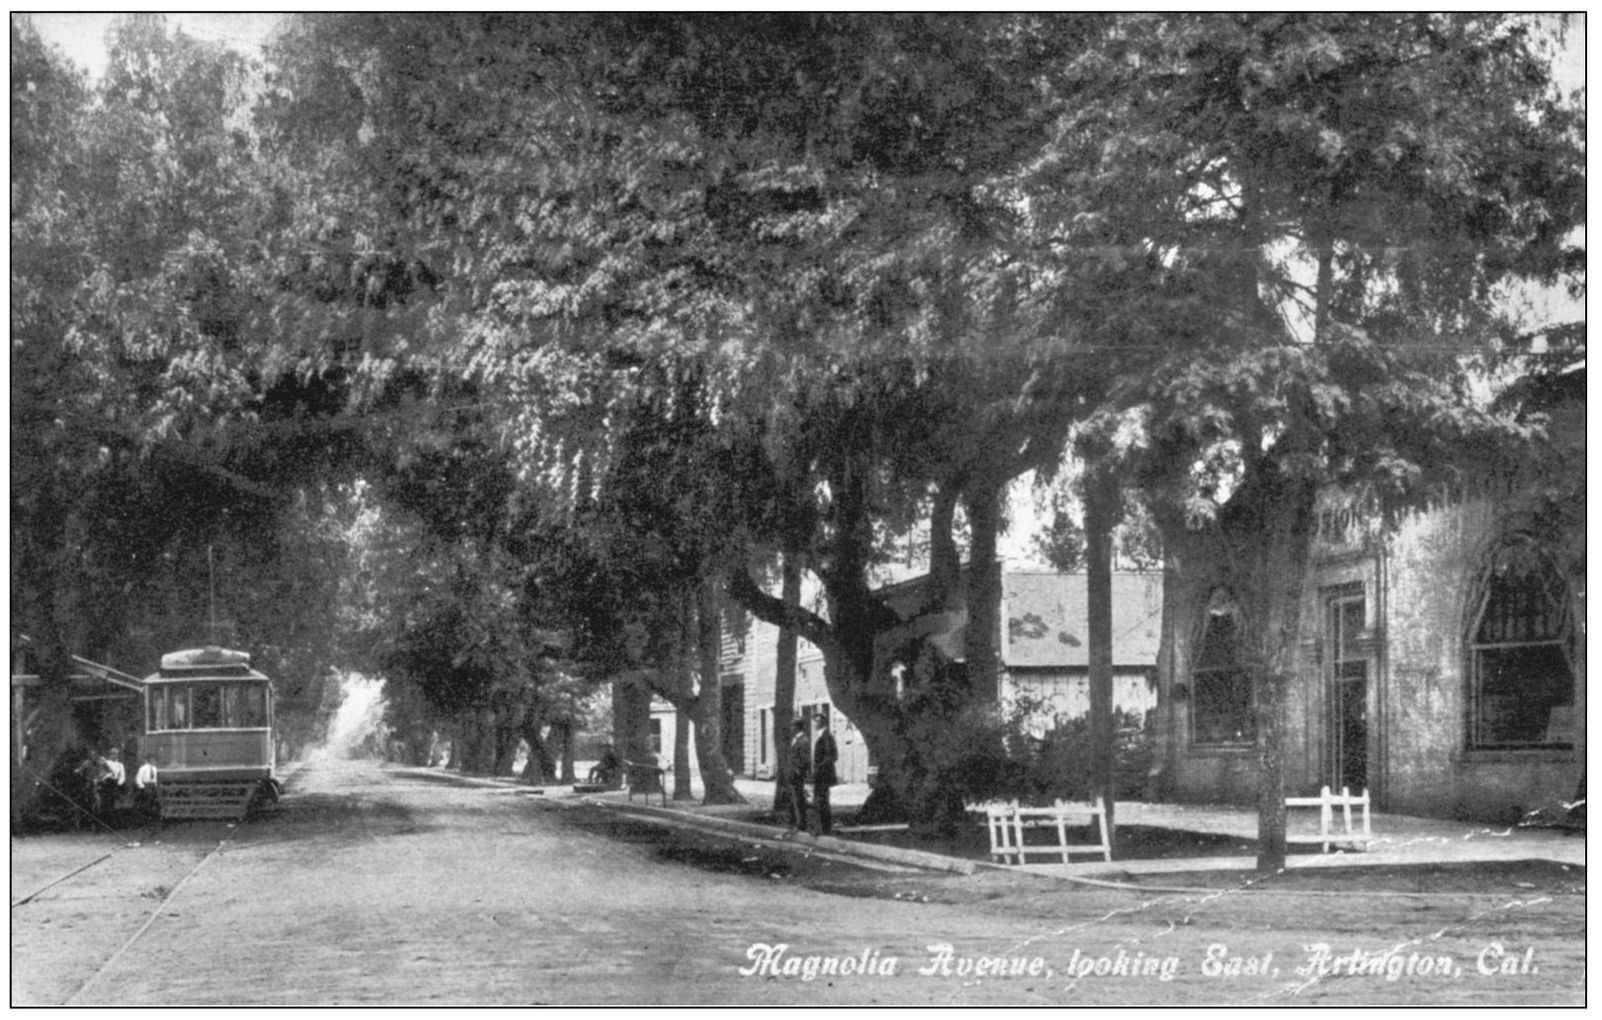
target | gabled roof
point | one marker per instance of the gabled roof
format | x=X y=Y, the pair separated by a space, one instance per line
x=1047 y=619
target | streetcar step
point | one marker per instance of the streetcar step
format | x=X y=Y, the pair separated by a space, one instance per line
x=207 y=800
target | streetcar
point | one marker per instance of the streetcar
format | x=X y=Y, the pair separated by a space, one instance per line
x=209 y=732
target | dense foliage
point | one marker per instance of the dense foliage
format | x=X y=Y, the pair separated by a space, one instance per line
x=603 y=313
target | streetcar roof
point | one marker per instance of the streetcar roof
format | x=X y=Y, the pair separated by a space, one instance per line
x=170 y=676
x=211 y=655
x=209 y=663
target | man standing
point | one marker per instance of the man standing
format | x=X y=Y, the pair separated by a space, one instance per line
x=799 y=769
x=145 y=785
x=114 y=778
x=116 y=772
x=824 y=755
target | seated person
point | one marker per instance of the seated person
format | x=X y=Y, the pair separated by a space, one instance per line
x=609 y=770
x=96 y=775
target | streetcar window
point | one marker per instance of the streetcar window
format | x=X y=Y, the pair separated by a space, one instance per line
x=253 y=705
x=244 y=706
x=207 y=705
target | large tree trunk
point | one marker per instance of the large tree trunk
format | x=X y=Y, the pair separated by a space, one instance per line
x=461 y=743
x=716 y=779
x=858 y=624
x=481 y=760
x=534 y=772
x=784 y=689
x=862 y=688
x=1164 y=738
x=880 y=725
x=464 y=748
x=675 y=684
x=508 y=728
x=1257 y=550
x=1271 y=822
x=1265 y=533
x=44 y=731
x=984 y=594
x=541 y=764
x=1101 y=514
x=565 y=729
x=863 y=691
x=631 y=716
x=681 y=758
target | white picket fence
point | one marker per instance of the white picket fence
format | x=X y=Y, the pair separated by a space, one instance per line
x=1009 y=821
x=1328 y=833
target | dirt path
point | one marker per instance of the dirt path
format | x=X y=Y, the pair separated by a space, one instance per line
x=374 y=887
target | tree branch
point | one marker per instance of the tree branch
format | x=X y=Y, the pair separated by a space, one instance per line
x=945 y=566
x=774 y=610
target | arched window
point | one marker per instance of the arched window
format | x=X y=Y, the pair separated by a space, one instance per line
x=1521 y=665
x=1221 y=688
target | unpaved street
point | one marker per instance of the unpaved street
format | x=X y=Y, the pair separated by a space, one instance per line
x=382 y=886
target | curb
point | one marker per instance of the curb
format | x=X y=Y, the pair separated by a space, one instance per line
x=754 y=830
x=775 y=837
x=888 y=854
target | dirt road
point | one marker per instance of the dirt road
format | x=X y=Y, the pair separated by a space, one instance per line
x=377 y=886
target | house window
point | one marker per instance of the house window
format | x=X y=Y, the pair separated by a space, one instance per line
x=1221 y=688
x=1521 y=667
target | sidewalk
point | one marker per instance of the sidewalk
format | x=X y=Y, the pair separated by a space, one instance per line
x=1397 y=839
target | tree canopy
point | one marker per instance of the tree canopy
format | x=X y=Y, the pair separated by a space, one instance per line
x=610 y=310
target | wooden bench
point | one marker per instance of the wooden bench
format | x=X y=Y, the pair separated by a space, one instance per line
x=646 y=779
x=1328 y=834
x=1009 y=821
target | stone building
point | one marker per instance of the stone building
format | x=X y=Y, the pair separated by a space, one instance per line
x=1440 y=666
x=1440 y=662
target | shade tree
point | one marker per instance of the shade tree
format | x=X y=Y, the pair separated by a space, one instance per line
x=1341 y=203
x=901 y=254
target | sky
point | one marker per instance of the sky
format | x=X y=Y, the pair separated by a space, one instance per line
x=83 y=36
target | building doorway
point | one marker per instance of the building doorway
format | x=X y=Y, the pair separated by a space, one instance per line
x=1346 y=639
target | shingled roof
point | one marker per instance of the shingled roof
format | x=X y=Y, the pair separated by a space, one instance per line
x=1047 y=617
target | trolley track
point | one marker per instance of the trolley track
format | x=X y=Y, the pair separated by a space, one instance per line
x=75 y=872
x=141 y=838
x=76 y=997
x=126 y=895
x=147 y=918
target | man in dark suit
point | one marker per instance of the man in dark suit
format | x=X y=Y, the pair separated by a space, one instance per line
x=798 y=769
x=824 y=755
